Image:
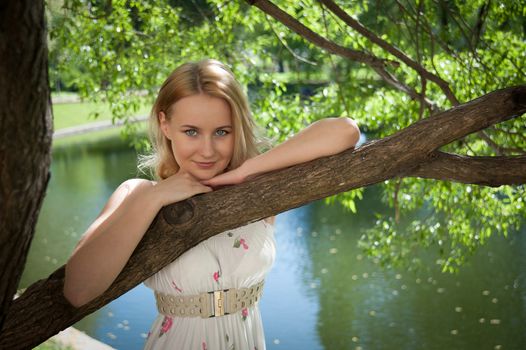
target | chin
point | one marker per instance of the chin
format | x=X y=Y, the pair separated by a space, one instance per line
x=205 y=175
x=202 y=177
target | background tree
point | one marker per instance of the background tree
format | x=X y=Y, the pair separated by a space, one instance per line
x=25 y=134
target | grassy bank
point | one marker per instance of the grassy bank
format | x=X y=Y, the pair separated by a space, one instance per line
x=78 y=113
x=74 y=113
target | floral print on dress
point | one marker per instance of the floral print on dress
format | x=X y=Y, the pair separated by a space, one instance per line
x=240 y=242
x=216 y=276
x=216 y=267
x=166 y=325
x=244 y=314
x=176 y=287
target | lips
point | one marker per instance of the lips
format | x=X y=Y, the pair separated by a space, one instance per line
x=205 y=165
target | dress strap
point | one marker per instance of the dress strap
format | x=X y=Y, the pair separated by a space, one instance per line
x=209 y=304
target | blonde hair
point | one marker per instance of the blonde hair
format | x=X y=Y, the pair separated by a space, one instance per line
x=209 y=77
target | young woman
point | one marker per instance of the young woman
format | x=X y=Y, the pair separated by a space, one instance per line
x=202 y=136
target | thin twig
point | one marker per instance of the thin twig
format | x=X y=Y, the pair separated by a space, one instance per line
x=433 y=38
x=423 y=83
x=395 y=199
x=479 y=25
x=338 y=83
x=293 y=24
x=442 y=84
x=417 y=31
x=284 y=43
x=377 y=64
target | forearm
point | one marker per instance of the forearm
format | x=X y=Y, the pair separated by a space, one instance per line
x=98 y=260
x=323 y=138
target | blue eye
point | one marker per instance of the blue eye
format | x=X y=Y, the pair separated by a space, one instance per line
x=190 y=132
x=221 y=132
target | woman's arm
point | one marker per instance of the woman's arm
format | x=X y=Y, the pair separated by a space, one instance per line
x=322 y=138
x=109 y=242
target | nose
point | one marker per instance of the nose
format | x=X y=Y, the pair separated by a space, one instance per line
x=207 y=148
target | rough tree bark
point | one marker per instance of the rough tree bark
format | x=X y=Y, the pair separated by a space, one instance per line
x=25 y=136
x=178 y=227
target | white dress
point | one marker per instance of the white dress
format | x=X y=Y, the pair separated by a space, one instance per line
x=238 y=258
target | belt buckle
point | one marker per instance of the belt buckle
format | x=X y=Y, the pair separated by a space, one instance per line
x=219 y=303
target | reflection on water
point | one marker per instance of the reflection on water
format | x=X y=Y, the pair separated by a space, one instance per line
x=322 y=292
x=364 y=306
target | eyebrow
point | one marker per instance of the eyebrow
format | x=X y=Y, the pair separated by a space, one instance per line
x=195 y=127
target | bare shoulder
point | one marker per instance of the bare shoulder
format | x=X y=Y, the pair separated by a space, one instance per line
x=120 y=196
x=124 y=190
x=132 y=184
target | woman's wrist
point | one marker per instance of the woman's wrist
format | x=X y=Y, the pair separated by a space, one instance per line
x=248 y=169
x=151 y=194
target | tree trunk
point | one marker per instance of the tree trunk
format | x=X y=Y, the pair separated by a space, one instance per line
x=178 y=227
x=25 y=136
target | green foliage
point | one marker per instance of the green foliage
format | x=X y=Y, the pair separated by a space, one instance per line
x=115 y=51
x=453 y=218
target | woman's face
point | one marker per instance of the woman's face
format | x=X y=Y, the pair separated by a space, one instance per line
x=202 y=135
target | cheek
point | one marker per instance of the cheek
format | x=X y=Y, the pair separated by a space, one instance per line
x=181 y=150
x=228 y=149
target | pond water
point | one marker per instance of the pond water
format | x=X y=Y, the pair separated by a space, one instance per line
x=322 y=292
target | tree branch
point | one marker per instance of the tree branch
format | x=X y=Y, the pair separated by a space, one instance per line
x=419 y=18
x=424 y=73
x=289 y=49
x=486 y=171
x=393 y=81
x=479 y=25
x=182 y=225
x=378 y=65
x=495 y=146
x=293 y=24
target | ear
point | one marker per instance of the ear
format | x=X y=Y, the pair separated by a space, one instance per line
x=164 y=124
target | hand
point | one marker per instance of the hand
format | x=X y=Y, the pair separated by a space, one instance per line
x=178 y=187
x=231 y=177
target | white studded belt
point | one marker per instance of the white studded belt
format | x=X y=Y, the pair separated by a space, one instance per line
x=209 y=304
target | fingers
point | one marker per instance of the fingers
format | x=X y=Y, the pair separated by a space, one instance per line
x=179 y=187
x=221 y=180
x=216 y=183
x=203 y=189
x=209 y=182
x=194 y=186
